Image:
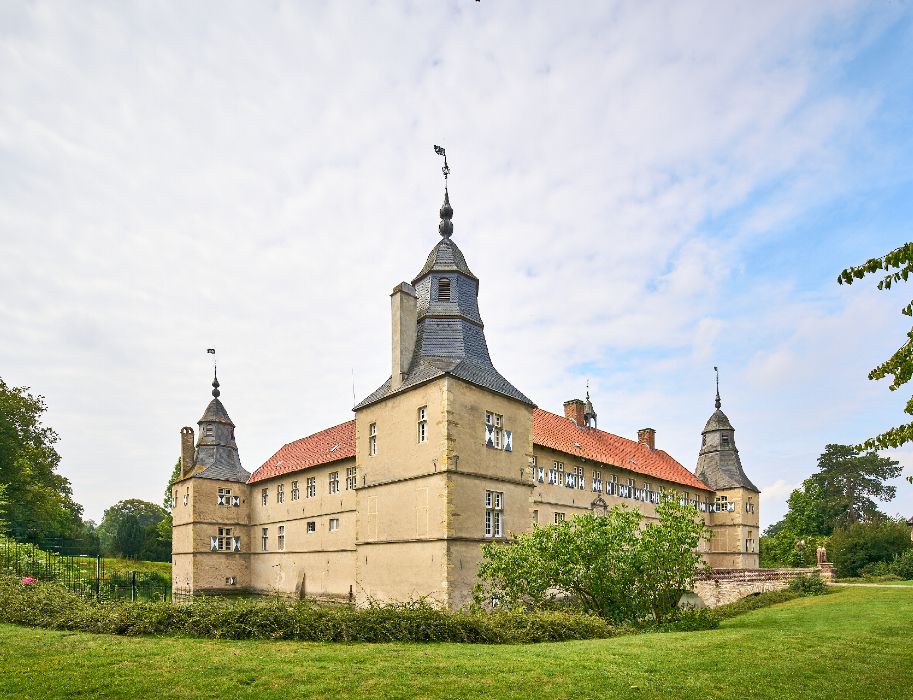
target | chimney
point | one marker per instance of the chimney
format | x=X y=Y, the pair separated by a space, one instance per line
x=186 y=450
x=404 y=308
x=647 y=436
x=574 y=410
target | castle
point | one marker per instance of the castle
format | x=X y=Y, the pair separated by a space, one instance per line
x=445 y=455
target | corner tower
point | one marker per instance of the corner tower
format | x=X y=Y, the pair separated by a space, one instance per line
x=735 y=515
x=442 y=446
x=210 y=507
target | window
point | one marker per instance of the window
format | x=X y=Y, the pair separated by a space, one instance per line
x=683 y=500
x=334 y=524
x=597 y=481
x=559 y=518
x=724 y=439
x=265 y=539
x=632 y=485
x=187 y=496
x=535 y=518
x=553 y=473
x=207 y=431
x=334 y=482
x=422 y=424
x=443 y=289
x=264 y=496
x=538 y=472
x=579 y=479
x=351 y=478
x=311 y=486
x=311 y=526
x=494 y=516
x=281 y=538
x=749 y=506
x=611 y=487
x=296 y=493
x=703 y=440
x=372 y=439
x=495 y=435
x=224 y=542
x=224 y=497
x=280 y=493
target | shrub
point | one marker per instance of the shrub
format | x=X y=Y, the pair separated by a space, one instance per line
x=51 y=606
x=876 y=568
x=808 y=584
x=902 y=565
x=689 y=620
x=863 y=543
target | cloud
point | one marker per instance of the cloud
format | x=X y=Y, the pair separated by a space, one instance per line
x=257 y=178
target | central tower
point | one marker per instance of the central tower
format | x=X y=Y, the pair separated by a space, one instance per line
x=442 y=446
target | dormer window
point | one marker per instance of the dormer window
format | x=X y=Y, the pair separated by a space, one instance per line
x=207 y=431
x=724 y=439
x=443 y=290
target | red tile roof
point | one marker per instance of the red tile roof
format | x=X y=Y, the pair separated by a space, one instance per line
x=327 y=446
x=564 y=435
x=549 y=430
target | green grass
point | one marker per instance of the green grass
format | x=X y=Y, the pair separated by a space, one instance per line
x=851 y=644
x=878 y=581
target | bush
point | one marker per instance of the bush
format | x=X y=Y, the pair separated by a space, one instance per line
x=902 y=565
x=876 y=569
x=864 y=543
x=808 y=584
x=689 y=620
x=51 y=606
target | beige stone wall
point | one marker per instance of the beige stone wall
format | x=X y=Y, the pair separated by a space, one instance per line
x=731 y=530
x=402 y=571
x=197 y=516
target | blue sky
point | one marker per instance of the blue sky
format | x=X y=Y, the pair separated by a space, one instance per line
x=645 y=190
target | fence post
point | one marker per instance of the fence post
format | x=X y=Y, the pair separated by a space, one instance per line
x=98 y=577
x=132 y=586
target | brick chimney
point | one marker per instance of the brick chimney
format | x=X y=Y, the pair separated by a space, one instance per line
x=574 y=410
x=404 y=308
x=186 y=450
x=647 y=436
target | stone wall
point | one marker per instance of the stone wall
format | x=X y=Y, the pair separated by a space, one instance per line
x=723 y=586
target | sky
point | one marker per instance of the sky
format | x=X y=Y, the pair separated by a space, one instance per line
x=645 y=190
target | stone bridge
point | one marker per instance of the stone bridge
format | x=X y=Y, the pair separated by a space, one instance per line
x=723 y=586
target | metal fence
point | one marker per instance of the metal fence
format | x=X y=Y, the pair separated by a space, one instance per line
x=80 y=574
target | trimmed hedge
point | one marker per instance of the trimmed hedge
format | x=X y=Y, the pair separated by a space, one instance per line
x=50 y=606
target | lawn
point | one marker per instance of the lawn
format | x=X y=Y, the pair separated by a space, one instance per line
x=851 y=644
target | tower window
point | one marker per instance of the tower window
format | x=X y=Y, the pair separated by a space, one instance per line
x=724 y=438
x=372 y=439
x=443 y=290
x=423 y=424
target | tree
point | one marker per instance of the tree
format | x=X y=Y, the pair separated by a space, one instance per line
x=129 y=529
x=843 y=490
x=613 y=565
x=40 y=501
x=865 y=543
x=898 y=264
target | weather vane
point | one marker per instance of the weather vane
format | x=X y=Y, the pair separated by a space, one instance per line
x=446 y=169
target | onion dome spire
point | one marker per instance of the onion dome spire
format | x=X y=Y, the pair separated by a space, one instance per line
x=445 y=228
x=215 y=383
x=718 y=403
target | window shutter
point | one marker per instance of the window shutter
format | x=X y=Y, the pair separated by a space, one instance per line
x=236 y=544
x=213 y=544
x=508 y=444
x=236 y=500
x=489 y=436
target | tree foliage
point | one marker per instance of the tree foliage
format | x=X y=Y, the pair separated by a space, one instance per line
x=896 y=266
x=843 y=491
x=860 y=544
x=130 y=529
x=40 y=503
x=614 y=565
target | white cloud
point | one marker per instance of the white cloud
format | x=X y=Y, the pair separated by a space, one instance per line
x=258 y=178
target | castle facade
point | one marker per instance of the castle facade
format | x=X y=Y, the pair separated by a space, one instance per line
x=445 y=455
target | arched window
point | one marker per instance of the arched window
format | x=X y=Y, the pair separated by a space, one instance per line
x=443 y=290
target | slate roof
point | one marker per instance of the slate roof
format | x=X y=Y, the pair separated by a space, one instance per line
x=562 y=434
x=450 y=335
x=330 y=445
x=721 y=466
x=218 y=454
x=445 y=256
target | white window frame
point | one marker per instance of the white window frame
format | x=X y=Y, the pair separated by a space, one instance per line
x=225 y=540
x=334 y=524
x=311 y=527
x=372 y=439
x=264 y=540
x=311 y=486
x=423 y=424
x=559 y=517
x=351 y=478
x=296 y=492
x=224 y=497
x=264 y=496
x=280 y=493
x=334 y=482
x=280 y=539
x=494 y=513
